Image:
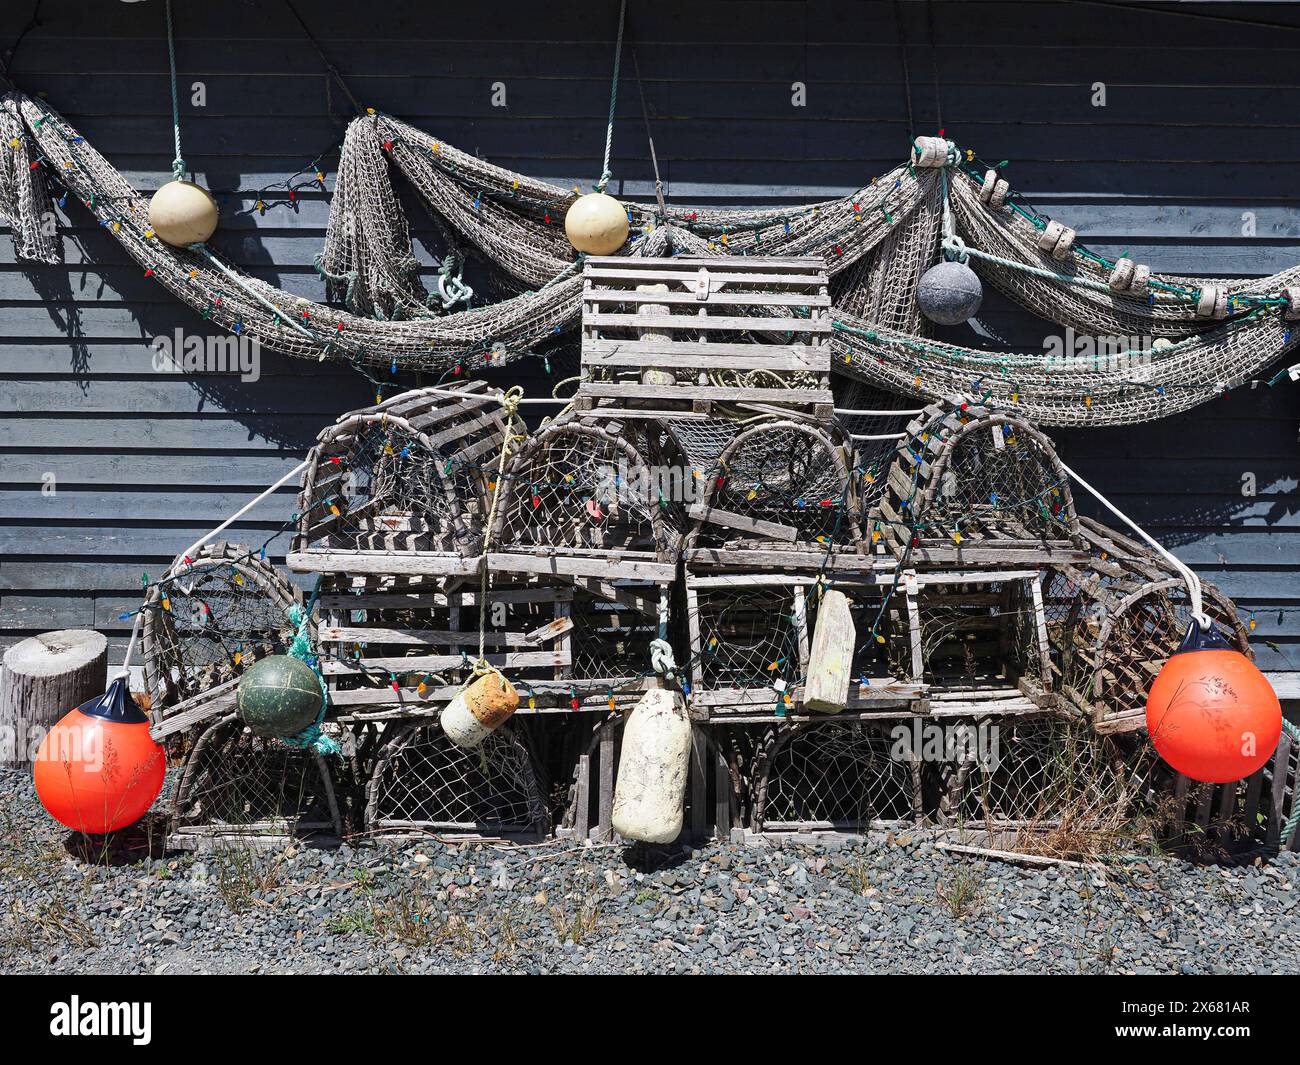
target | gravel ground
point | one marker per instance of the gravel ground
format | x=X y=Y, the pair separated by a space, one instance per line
x=891 y=905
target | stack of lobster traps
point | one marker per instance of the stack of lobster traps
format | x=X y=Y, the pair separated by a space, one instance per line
x=906 y=627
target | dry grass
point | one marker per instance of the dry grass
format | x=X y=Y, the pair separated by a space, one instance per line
x=960 y=891
x=244 y=875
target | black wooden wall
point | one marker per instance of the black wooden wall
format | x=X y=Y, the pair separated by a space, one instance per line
x=1197 y=140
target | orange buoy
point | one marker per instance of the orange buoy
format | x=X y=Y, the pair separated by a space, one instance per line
x=1210 y=713
x=98 y=769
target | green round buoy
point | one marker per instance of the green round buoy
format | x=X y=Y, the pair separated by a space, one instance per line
x=279 y=696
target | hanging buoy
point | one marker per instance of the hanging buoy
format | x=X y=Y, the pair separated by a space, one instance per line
x=98 y=769
x=596 y=224
x=949 y=293
x=1210 y=713
x=1292 y=296
x=830 y=660
x=650 y=791
x=1056 y=238
x=481 y=707
x=931 y=153
x=279 y=696
x=994 y=190
x=183 y=213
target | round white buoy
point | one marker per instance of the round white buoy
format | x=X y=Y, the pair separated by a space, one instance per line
x=596 y=224
x=183 y=213
x=949 y=293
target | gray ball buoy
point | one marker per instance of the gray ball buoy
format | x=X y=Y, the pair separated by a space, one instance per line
x=949 y=293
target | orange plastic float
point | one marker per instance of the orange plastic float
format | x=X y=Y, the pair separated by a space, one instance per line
x=98 y=769
x=1210 y=713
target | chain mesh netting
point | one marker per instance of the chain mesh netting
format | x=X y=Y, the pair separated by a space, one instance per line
x=239 y=782
x=838 y=775
x=424 y=781
x=612 y=640
x=975 y=633
x=210 y=620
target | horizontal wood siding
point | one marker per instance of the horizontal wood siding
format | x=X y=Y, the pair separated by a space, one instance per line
x=1199 y=127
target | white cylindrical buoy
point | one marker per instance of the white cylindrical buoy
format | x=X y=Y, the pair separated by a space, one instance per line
x=596 y=224
x=183 y=213
x=482 y=707
x=43 y=678
x=831 y=659
x=650 y=791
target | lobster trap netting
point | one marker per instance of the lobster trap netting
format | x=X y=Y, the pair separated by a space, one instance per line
x=834 y=775
x=580 y=487
x=611 y=640
x=779 y=481
x=1114 y=620
x=750 y=637
x=209 y=619
x=975 y=633
x=236 y=782
x=424 y=782
x=962 y=474
x=1035 y=772
x=409 y=475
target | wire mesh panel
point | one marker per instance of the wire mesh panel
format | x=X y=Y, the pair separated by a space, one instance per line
x=842 y=775
x=967 y=480
x=409 y=476
x=236 y=783
x=778 y=483
x=578 y=488
x=424 y=782
x=224 y=610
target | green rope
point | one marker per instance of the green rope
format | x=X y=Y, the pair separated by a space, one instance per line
x=310 y=738
x=178 y=164
x=606 y=173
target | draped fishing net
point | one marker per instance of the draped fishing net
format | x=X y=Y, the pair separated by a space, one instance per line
x=876 y=244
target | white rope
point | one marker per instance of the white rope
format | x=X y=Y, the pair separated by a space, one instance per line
x=1192 y=581
x=189 y=552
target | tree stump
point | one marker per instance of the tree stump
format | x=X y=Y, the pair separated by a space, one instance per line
x=43 y=678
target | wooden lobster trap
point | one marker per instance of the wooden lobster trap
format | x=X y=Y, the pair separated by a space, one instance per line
x=688 y=335
x=970 y=487
x=1115 y=619
x=207 y=622
x=239 y=789
x=781 y=486
x=585 y=498
x=937 y=642
x=401 y=487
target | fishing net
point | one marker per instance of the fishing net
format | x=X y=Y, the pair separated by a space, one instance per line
x=239 y=783
x=750 y=636
x=878 y=240
x=424 y=782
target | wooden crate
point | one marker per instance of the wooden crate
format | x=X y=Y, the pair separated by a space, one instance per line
x=753 y=332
